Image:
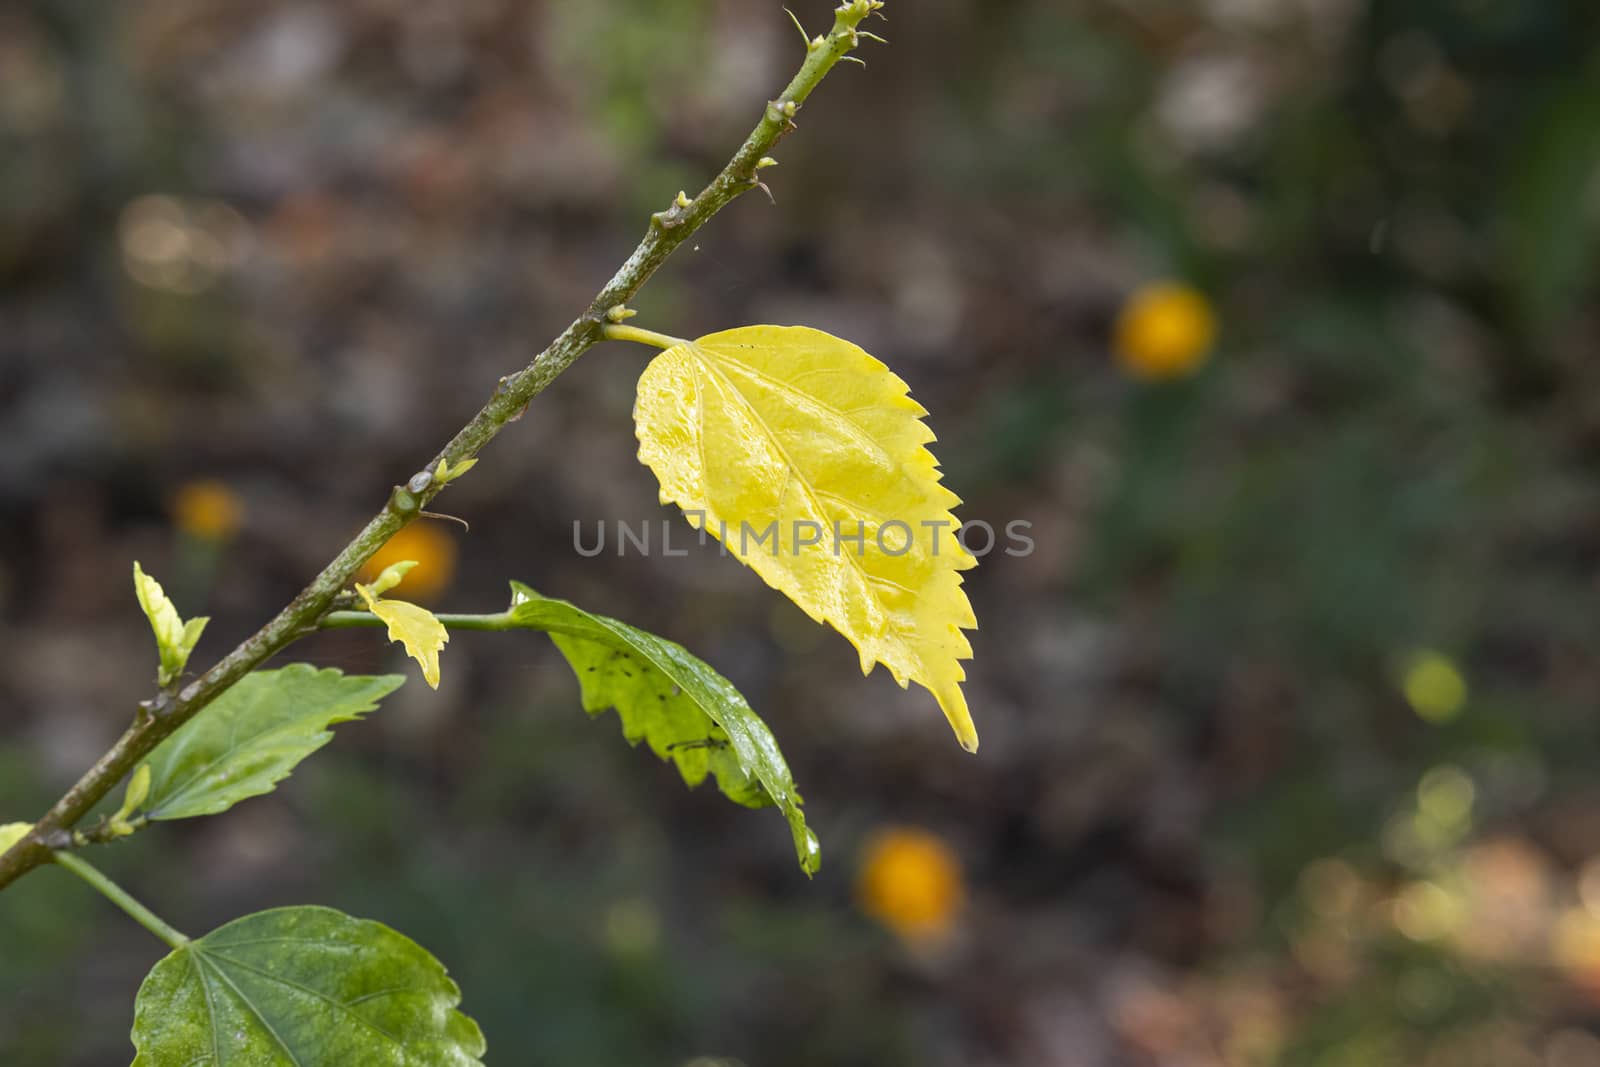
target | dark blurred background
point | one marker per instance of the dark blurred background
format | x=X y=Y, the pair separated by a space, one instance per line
x=1289 y=720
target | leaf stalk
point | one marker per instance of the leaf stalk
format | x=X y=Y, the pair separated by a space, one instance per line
x=615 y=332
x=121 y=898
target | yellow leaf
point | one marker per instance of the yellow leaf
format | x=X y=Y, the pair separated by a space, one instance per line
x=788 y=445
x=422 y=635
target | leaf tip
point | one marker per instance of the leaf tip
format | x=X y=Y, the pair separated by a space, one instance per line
x=954 y=705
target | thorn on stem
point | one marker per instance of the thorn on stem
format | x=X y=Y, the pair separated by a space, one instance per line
x=763 y=187
x=448 y=518
x=804 y=37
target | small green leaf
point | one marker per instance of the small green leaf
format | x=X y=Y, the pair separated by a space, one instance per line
x=392 y=576
x=138 y=791
x=175 y=639
x=253 y=735
x=445 y=474
x=679 y=706
x=298 y=987
x=132 y=800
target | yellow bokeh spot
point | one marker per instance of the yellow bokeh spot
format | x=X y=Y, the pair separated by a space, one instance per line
x=1445 y=797
x=430 y=546
x=1165 y=331
x=911 y=882
x=1434 y=687
x=1425 y=911
x=208 y=510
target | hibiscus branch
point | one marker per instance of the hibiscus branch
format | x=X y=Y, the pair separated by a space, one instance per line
x=158 y=717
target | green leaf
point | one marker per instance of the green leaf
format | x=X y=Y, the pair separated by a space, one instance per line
x=300 y=987
x=675 y=703
x=253 y=735
x=175 y=639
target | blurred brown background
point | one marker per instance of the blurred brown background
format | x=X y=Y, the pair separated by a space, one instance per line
x=1289 y=720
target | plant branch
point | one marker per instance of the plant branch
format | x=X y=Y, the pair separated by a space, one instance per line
x=121 y=898
x=159 y=717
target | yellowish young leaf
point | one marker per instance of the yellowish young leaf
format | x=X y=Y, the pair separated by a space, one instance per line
x=137 y=793
x=807 y=458
x=414 y=627
x=445 y=474
x=391 y=576
x=175 y=638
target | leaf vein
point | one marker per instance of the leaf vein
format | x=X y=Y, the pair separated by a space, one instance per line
x=794 y=471
x=287 y=983
x=251 y=1008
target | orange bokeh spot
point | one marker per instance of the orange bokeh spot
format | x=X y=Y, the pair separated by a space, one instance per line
x=208 y=510
x=432 y=548
x=1165 y=331
x=911 y=882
